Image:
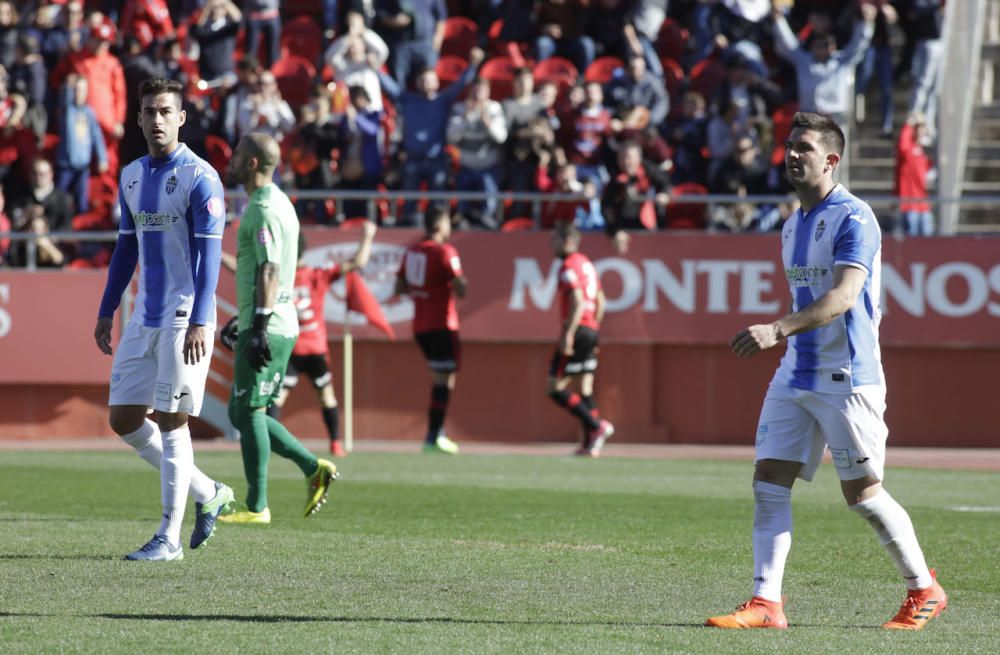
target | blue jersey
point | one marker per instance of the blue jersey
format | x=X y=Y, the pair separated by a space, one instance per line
x=844 y=355
x=173 y=205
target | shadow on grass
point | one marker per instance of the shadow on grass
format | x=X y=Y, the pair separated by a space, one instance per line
x=84 y=558
x=257 y=618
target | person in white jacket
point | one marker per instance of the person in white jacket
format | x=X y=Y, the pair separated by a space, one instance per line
x=479 y=130
x=356 y=56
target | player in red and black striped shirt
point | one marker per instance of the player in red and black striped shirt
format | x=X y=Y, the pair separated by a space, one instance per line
x=431 y=273
x=581 y=308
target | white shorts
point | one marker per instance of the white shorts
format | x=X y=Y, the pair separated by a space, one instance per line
x=149 y=369
x=798 y=426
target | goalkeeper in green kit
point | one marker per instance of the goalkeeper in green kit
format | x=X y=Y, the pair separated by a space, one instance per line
x=267 y=253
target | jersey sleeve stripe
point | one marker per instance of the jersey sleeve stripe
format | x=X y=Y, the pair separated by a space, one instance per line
x=126 y=231
x=200 y=235
x=847 y=262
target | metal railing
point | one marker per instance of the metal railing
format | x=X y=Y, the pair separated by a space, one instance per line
x=878 y=202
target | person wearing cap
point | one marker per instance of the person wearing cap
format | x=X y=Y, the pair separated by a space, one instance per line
x=102 y=70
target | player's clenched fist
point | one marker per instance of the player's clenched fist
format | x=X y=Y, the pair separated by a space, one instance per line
x=102 y=334
x=755 y=338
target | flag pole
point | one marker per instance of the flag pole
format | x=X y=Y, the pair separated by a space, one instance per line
x=348 y=383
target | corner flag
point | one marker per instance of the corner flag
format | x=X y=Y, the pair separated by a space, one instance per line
x=360 y=299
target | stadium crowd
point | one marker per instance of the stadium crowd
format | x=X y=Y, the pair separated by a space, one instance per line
x=630 y=104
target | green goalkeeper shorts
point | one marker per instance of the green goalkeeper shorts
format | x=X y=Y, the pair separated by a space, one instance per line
x=256 y=389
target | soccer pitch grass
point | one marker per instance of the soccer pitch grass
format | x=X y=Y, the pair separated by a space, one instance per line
x=476 y=554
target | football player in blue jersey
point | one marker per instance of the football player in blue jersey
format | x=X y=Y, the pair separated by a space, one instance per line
x=172 y=217
x=829 y=390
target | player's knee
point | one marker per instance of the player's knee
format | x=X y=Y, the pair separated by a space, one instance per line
x=125 y=422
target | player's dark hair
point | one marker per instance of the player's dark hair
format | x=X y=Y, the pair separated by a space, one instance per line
x=357 y=92
x=432 y=216
x=830 y=133
x=155 y=86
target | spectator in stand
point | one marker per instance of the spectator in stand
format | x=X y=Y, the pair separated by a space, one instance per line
x=61 y=32
x=478 y=130
x=562 y=180
x=520 y=111
x=356 y=56
x=585 y=134
x=147 y=16
x=215 y=31
x=725 y=129
x=926 y=18
x=81 y=143
x=633 y=199
x=425 y=114
x=138 y=64
x=414 y=30
x=606 y=26
x=732 y=27
x=561 y=27
x=743 y=173
x=12 y=111
x=265 y=111
x=28 y=76
x=9 y=30
x=263 y=19
x=47 y=254
x=361 y=154
x=176 y=65
x=824 y=73
x=103 y=71
x=639 y=93
x=913 y=172
x=247 y=83
x=689 y=137
x=41 y=209
x=643 y=29
x=754 y=96
x=548 y=96
x=878 y=60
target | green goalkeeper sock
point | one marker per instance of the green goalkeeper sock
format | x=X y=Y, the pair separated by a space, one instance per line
x=285 y=444
x=256 y=450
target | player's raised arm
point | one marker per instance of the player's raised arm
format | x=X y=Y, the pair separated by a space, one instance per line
x=364 y=252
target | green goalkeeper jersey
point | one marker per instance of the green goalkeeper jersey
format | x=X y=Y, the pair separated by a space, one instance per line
x=268 y=232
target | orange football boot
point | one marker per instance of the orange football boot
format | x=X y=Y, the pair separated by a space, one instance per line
x=920 y=606
x=755 y=613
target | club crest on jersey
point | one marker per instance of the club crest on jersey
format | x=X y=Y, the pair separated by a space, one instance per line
x=820 y=229
x=171 y=184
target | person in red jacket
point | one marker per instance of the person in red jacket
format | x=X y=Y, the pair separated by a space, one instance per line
x=913 y=167
x=431 y=274
x=104 y=73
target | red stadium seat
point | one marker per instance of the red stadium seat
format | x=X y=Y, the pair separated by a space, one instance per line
x=672 y=40
x=302 y=37
x=556 y=69
x=706 y=76
x=518 y=224
x=602 y=69
x=782 y=120
x=460 y=37
x=219 y=153
x=449 y=68
x=295 y=78
x=673 y=76
x=500 y=72
x=685 y=215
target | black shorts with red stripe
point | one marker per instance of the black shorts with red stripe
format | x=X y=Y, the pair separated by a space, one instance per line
x=442 y=349
x=314 y=366
x=584 y=357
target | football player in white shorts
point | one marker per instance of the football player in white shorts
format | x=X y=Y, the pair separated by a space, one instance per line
x=829 y=390
x=173 y=214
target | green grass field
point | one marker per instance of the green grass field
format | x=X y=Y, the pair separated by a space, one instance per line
x=476 y=554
